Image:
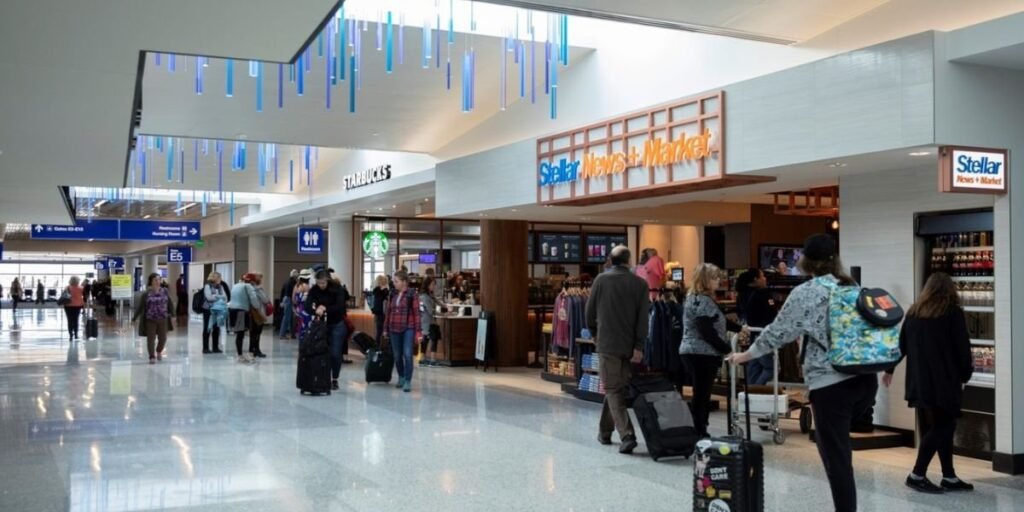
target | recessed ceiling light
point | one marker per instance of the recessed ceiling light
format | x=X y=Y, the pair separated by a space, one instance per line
x=920 y=153
x=90 y=239
x=514 y=210
x=146 y=216
x=426 y=200
x=835 y=165
x=380 y=209
x=394 y=206
x=375 y=134
x=242 y=136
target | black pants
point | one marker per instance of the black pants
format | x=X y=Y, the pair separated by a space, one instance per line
x=938 y=428
x=74 y=313
x=834 y=409
x=703 y=370
x=255 y=333
x=378 y=321
x=208 y=333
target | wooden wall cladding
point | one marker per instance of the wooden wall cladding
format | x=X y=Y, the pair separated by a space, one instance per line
x=767 y=227
x=504 y=286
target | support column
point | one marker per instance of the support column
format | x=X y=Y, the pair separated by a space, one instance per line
x=339 y=251
x=504 y=286
x=259 y=256
x=174 y=270
x=150 y=262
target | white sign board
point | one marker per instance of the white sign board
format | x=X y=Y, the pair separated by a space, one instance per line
x=481 y=338
x=974 y=170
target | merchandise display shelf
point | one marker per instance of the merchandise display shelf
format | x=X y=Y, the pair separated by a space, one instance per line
x=979 y=309
x=954 y=250
x=974 y=279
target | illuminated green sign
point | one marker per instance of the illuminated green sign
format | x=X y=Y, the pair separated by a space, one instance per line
x=376 y=244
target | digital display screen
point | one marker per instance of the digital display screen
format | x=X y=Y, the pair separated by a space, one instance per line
x=428 y=258
x=780 y=259
x=559 y=248
x=677 y=274
x=599 y=247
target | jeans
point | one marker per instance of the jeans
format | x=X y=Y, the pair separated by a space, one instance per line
x=703 y=370
x=761 y=371
x=834 y=407
x=402 y=345
x=337 y=334
x=286 y=317
x=209 y=331
x=938 y=428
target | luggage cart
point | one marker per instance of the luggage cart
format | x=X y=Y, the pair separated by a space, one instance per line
x=767 y=421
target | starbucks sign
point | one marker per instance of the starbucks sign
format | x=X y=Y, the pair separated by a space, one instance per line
x=376 y=244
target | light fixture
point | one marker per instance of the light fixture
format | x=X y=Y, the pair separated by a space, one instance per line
x=91 y=239
x=100 y=203
x=834 y=224
x=146 y=216
x=426 y=200
x=514 y=210
x=183 y=208
x=920 y=153
x=836 y=165
x=242 y=136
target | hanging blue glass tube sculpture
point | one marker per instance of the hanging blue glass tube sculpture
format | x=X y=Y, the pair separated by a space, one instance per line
x=230 y=79
x=231 y=214
x=259 y=87
x=352 y=86
x=426 y=44
x=291 y=175
x=252 y=68
x=390 y=57
x=170 y=159
x=156 y=59
x=195 y=155
x=177 y=209
x=171 y=62
x=280 y=86
x=300 y=82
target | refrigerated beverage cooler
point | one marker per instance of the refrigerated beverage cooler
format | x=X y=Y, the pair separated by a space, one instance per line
x=961 y=244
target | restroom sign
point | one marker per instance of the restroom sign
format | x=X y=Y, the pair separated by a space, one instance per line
x=311 y=240
x=973 y=170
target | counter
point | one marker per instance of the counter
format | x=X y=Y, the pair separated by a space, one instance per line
x=458 y=341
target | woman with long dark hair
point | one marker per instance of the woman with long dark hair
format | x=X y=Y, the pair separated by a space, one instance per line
x=937 y=347
x=757 y=309
x=836 y=398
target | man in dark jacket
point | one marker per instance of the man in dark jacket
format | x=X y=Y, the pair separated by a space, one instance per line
x=326 y=301
x=617 y=315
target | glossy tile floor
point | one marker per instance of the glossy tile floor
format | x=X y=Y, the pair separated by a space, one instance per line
x=91 y=426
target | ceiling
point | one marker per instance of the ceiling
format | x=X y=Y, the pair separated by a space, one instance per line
x=779 y=21
x=410 y=109
x=68 y=74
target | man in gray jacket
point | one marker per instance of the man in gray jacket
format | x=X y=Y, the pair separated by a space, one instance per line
x=617 y=314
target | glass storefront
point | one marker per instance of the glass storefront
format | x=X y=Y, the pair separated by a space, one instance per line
x=53 y=275
x=423 y=247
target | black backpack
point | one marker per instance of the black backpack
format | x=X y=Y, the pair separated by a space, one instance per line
x=198 y=301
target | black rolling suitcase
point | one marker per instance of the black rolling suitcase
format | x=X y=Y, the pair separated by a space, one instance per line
x=92 y=327
x=313 y=374
x=379 y=365
x=664 y=417
x=728 y=471
x=364 y=342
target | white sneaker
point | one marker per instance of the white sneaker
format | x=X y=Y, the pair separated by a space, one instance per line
x=244 y=359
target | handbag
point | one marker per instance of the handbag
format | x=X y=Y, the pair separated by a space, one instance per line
x=269 y=309
x=65 y=298
x=257 y=316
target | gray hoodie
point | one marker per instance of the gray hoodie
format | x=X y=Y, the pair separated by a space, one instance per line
x=805 y=313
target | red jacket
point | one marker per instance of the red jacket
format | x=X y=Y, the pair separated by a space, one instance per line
x=402 y=311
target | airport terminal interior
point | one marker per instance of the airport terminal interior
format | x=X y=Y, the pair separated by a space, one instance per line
x=390 y=255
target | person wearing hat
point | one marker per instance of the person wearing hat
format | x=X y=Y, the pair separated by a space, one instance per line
x=287 y=314
x=836 y=398
x=299 y=294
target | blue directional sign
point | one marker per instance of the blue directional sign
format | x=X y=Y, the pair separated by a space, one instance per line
x=81 y=230
x=311 y=240
x=179 y=254
x=101 y=265
x=159 y=230
x=115 y=262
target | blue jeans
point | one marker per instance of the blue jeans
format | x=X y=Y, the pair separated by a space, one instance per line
x=337 y=334
x=286 y=317
x=402 y=344
x=761 y=371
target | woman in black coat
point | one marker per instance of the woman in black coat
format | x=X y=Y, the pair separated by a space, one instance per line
x=935 y=342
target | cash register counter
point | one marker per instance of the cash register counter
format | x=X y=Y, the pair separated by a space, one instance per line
x=458 y=336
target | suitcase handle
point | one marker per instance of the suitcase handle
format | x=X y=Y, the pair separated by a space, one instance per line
x=732 y=391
